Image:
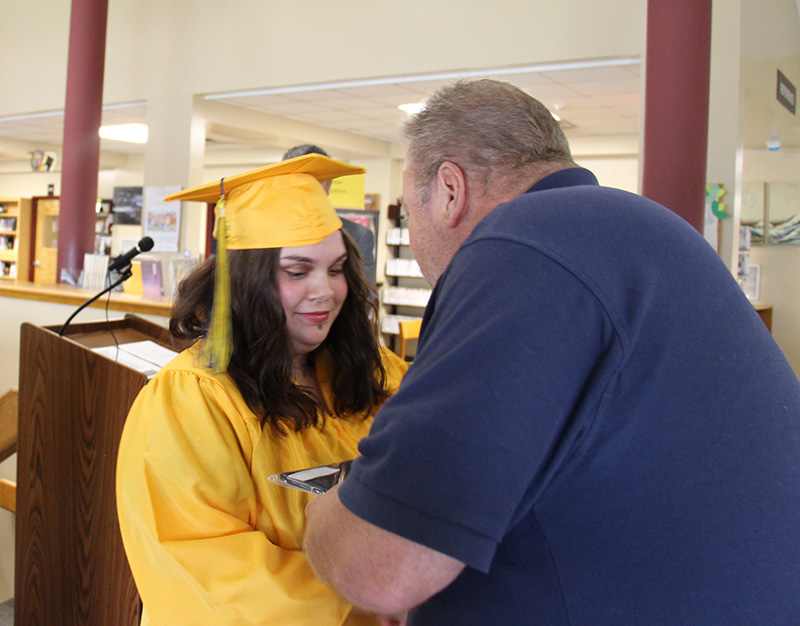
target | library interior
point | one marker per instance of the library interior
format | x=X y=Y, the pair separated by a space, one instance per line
x=213 y=91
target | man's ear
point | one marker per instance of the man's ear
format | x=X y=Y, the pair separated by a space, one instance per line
x=452 y=183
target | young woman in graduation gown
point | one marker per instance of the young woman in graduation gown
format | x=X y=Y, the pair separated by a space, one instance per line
x=284 y=372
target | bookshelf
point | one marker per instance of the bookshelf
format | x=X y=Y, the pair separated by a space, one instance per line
x=15 y=238
x=406 y=291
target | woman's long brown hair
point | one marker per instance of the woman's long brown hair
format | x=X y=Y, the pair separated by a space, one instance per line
x=262 y=356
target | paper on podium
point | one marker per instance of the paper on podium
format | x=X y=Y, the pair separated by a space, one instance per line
x=144 y=356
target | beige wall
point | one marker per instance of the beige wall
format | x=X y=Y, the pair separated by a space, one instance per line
x=8 y=469
x=780 y=264
x=208 y=46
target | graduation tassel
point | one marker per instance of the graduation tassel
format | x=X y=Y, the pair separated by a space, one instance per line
x=218 y=342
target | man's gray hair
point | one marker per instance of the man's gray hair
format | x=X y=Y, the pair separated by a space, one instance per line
x=484 y=126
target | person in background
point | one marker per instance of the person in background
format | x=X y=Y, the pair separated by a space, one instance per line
x=284 y=372
x=361 y=235
x=597 y=430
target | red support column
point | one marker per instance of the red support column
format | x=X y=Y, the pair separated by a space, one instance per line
x=81 y=151
x=677 y=68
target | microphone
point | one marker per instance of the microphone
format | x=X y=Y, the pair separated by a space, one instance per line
x=123 y=260
x=122 y=265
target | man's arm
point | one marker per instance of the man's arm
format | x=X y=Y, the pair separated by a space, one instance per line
x=371 y=567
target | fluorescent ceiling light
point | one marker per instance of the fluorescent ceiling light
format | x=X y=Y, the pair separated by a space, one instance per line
x=412 y=108
x=132 y=133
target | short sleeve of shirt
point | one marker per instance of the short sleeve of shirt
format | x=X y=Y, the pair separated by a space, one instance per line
x=493 y=405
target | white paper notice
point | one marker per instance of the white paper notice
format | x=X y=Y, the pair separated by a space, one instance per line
x=144 y=356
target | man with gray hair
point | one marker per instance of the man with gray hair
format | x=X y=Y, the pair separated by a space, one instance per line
x=597 y=430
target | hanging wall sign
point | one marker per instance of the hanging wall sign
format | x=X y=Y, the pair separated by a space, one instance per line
x=347 y=192
x=787 y=94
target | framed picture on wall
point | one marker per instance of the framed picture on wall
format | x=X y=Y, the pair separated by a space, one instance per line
x=127 y=205
x=366 y=218
x=162 y=219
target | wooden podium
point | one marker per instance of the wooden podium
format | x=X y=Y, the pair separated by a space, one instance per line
x=71 y=568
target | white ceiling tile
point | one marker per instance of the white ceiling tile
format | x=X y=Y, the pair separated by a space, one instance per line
x=606 y=87
x=589 y=74
x=332 y=117
x=598 y=101
x=378 y=91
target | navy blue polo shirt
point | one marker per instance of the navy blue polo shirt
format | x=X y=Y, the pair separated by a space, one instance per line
x=597 y=423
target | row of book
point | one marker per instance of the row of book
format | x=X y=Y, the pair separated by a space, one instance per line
x=8 y=242
x=94 y=271
x=406 y=296
x=8 y=223
x=8 y=269
x=397 y=236
x=153 y=277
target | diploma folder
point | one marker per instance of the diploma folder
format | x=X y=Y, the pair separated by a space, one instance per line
x=316 y=480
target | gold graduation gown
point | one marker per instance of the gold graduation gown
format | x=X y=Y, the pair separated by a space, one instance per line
x=208 y=538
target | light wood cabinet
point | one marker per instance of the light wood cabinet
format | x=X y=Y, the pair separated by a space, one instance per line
x=15 y=238
x=45 y=258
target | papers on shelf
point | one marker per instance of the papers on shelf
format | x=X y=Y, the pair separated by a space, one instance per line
x=397 y=236
x=144 y=356
x=94 y=271
x=403 y=267
x=406 y=296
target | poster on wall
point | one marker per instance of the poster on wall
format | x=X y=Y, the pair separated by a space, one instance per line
x=162 y=219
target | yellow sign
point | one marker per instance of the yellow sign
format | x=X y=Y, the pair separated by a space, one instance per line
x=347 y=192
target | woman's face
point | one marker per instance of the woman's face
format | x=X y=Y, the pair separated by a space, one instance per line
x=313 y=287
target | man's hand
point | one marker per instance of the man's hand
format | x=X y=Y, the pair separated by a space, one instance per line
x=371 y=567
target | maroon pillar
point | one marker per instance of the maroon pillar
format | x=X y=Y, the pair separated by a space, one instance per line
x=676 y=106
x=81 y=151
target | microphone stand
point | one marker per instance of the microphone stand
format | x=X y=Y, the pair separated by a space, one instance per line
x=125 y=274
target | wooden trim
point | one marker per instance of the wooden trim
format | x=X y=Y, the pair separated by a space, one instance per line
x=75 y=296
x=9 y=410
x=765 y=313
x=8 y=495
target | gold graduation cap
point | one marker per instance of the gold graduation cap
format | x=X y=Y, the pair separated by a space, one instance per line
x=276 y=206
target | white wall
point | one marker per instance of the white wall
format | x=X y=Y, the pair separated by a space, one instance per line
x=28 y=185
x=780 y=264
x=780 y=287
x=620 y=172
